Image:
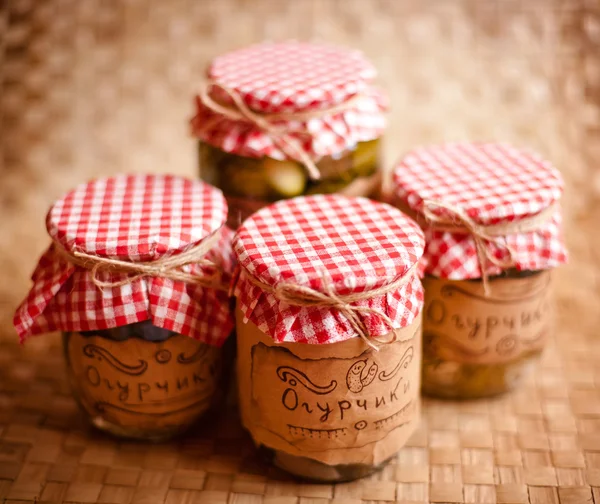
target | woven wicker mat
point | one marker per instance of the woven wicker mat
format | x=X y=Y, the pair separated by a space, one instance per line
x=102 y=86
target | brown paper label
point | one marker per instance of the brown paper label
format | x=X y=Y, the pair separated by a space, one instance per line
x=461 y=324
x=143 y=384
x=337 y=403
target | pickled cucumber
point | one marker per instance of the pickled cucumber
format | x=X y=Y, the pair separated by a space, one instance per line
x=365 y=158
x=453 y=380
x=243 y=177
x=268 y=179
x=327 y=186
x=286 y=178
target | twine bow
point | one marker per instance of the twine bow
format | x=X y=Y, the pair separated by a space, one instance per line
x=482 y=235
x=300 y=295
x=278 y=125
x=167 y=267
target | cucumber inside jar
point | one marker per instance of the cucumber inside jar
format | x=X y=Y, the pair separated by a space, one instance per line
x=365 y=158
x=244 y=177
x=264 y=179
x=452 y=380
x=269 y=179
x=285 y=178
x=327 y=186
x=338 y=174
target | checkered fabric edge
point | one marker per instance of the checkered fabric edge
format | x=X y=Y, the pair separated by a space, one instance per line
x=141 y=217
x=353 y=244
x=291 y=77
x=492 y=183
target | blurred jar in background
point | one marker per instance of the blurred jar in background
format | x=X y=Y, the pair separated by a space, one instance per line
x=492 y=226
x=279 y=120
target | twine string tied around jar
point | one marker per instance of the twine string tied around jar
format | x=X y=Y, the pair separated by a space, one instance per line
x=280 y=133
x=167 y=267
x=303 y=296
x=483 y=235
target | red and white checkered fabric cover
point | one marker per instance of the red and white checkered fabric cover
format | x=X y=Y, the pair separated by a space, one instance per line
x=492 y=183
x=132 y=218
x=292 y=77
x=354 y=244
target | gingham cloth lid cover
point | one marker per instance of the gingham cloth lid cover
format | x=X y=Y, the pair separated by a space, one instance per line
x=493 y=183
x=131 y=218
x=289 y=77
x=354 y=244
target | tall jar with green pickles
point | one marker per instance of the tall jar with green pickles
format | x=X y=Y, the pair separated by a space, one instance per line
x=493 y=235
x=279 y=120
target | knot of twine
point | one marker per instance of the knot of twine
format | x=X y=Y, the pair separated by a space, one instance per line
x=300 y=295
x=167 y=267
x=482 y=235
x=277 y=125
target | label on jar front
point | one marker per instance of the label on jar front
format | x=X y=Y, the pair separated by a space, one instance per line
x=143 y=384
x=337 y=403
x=461 y=324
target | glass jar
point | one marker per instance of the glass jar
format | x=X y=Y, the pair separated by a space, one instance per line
x=344 y=397
x=251 y=183
x=312 y=470
x=329 y=390
x=148 y=257
x=493 y=232
x=283 y=119
x=141 y=381
x=476 y=346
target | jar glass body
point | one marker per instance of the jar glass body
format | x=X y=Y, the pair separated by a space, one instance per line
x=478 y=346
x=140 y=381
x=329 y=412
x=251 y=183
x=312 y=470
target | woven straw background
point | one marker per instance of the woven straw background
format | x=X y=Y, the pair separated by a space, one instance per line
x=97 y=87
